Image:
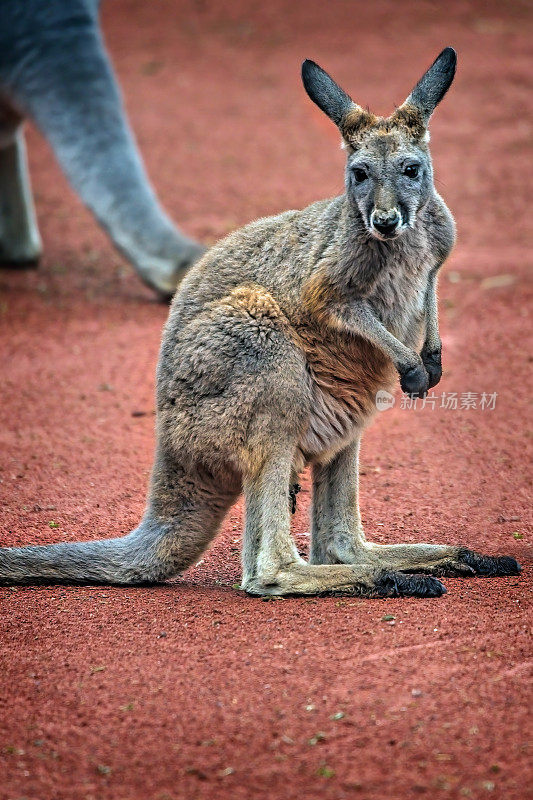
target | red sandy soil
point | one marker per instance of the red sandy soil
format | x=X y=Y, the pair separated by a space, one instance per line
x=193 y=690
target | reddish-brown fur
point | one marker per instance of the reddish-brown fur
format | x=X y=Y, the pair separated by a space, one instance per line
x=358 y=122
x=347 y=366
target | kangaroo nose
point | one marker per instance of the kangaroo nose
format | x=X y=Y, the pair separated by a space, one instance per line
x=385 y=221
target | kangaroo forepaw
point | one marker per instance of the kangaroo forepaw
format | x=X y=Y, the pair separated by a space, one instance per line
x=433 y=364
x=415 y=381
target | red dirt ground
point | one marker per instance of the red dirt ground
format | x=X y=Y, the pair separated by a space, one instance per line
x=193 y=690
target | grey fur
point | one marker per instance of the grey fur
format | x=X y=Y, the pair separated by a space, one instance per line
x=434 y=84
x=323 y=91
x=20 y=241
x=54 y=69
x=271 y=357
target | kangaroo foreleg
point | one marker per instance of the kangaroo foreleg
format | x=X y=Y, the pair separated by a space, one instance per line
x=359 y=318
x=432 y=349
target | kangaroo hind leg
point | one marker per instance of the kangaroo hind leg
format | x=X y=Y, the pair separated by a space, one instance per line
x=338 y=537
x=272 y=565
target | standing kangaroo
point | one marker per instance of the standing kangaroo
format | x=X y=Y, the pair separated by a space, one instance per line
x=54 y=68
x=272 y=355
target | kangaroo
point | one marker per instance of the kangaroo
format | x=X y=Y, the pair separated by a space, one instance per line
x=274 y=349
x=54 y=68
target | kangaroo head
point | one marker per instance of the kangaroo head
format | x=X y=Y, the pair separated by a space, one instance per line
x=389 y=176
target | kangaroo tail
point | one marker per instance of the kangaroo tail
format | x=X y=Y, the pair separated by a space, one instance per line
x=132 y=559
x=184 y=513
x=155 y=551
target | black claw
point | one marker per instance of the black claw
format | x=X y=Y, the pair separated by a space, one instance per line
x=489 y=565
x=398 y=584
x=293 y=491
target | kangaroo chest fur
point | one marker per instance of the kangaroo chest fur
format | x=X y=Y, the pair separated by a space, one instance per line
x=347 y=371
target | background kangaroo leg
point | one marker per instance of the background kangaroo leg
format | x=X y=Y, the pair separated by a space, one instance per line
x=55 y=69
x=337 y=535
x=20 y=242
x=279 y=570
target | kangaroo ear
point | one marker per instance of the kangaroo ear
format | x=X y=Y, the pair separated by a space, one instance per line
x=325 y=92
x=434 y=84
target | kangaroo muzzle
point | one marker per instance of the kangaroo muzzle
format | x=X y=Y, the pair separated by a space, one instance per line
x=385 y=223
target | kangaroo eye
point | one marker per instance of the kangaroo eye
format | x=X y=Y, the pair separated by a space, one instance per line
x=411 y=171
x=359 y=175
